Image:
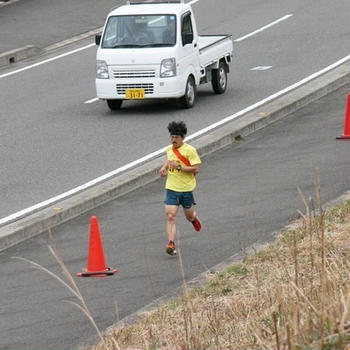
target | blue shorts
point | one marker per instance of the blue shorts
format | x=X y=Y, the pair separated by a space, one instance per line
x=185 y=199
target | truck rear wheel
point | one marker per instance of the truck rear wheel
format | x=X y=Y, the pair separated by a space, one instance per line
x=219 y=78
x=114 y=105
x=187 y=100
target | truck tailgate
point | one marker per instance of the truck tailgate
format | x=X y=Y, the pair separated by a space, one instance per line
x=214 y=47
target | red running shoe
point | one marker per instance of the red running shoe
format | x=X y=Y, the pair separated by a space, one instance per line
x=197 y=224
x=170 y=248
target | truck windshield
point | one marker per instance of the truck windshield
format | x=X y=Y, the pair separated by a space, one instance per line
x=140 y=31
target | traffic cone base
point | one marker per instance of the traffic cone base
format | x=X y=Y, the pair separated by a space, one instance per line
x=108 y=272
x=96 y=266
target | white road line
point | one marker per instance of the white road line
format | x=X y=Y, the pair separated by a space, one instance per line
x=270 y=98
x=261 y=68
x=78 y=189
x=147 y=157
x=91 y=45
x=263 y=28
x=236 y=40
x=46 y=61
x=92 y=100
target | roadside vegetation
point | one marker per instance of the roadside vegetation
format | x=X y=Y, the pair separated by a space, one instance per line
x=292 y=295
x=295 y=294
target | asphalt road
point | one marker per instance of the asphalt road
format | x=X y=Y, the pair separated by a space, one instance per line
x=51 y=141
x=245 y=193
x=42 y=23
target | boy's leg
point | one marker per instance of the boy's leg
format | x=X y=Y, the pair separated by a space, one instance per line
x=191 y=216
x=190 y=213
x=170 y=227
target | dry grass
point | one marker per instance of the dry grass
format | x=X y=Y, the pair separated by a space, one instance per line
x=292 y=295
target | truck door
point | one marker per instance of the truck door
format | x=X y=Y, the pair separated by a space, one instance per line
x=189 y=59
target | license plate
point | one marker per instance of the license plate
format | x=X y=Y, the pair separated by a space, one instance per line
x=134 y=94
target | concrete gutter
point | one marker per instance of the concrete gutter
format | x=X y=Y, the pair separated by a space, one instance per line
x=223 y=136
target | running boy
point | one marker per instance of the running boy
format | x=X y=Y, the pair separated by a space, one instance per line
x=181 y=167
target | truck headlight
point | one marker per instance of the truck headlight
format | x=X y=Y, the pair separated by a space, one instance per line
x=168 y=68
x=101 y=70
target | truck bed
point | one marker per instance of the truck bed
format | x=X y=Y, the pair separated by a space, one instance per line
x=213 y=47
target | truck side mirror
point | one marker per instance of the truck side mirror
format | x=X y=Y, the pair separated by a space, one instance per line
x=187 y=38
x=98 y=39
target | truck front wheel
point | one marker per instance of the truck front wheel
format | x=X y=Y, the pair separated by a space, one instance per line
x=219 y=78
x=187 y=100
x=114 y=105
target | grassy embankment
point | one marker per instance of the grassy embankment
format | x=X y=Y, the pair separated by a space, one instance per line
x=295 y=294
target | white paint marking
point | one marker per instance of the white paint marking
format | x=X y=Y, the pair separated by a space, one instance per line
x=261 y=68
x=147 y=157
x=46 y=61
x=92 y=100
x=78 y=189
x=91 y=45
x=263 y=28
x=242 y=38
x=268 y=99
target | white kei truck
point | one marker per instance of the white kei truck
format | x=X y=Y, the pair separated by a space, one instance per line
x=152 y=50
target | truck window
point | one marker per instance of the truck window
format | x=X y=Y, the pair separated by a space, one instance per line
x=186 y=30
x=137 y=31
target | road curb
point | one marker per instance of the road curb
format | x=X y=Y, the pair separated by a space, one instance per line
x=90 y=34
x=7 y=2
x=13 y=56
x=223 y=136
x=9 y=57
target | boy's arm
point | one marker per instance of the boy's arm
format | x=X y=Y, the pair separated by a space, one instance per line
x=163 y=170
x=194 y=169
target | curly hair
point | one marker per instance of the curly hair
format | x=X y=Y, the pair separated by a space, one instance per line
x=177 y=128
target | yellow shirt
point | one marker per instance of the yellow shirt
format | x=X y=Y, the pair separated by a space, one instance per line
x=178 y=180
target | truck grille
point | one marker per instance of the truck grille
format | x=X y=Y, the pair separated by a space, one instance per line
x=148 y=87
x=121 y=74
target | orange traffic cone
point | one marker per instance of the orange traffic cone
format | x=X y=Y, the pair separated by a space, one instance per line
x=346 y=132
x=96 y=266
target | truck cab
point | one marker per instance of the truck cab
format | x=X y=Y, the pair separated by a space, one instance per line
x=151 y=51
